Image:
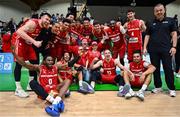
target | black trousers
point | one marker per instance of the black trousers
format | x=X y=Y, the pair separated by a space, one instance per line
x=96 y=76
x=165 y=57
x=17 y=71
x=38 y=89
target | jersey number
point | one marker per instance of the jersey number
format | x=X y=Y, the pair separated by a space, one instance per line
x=50 y=81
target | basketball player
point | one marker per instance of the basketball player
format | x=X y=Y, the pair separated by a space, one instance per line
x=49 y=82
x=142 y=73
x=115 y=33
x=108 y=70
x=23 y=39
x=134 y=29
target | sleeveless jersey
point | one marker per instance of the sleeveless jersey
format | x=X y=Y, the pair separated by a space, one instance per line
x=133 y=30
x=32 y=34
x=48 y=76
x=63 y=38
x=138 y=68
x=87 y=31
x=116 y=36
x=109 y=67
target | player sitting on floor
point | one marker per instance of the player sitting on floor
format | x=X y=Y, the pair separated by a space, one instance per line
x=49 y=82
x=142 y=73
x=108 y=71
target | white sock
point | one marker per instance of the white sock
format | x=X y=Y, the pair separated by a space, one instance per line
x=18 y=85
x=57 y=100
x=120 y=88
x=50 y=98
x=80 y=83
x=144 y=87
x=93 y=84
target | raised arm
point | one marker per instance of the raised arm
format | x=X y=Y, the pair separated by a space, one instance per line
x=69 y=64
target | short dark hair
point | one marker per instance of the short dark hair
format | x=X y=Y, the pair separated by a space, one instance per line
x=137 y=52
x=45 y=13
x=96 y=22
x=86 y=18
x=130 y=10
x=67 y=15
x=66 y=20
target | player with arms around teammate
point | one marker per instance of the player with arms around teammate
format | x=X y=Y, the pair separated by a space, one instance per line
x=108 y=71
x=142 y=73
x=23 y=39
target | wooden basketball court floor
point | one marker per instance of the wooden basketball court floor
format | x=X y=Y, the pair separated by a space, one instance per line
x=100 y=104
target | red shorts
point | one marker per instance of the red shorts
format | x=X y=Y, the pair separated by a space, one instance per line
x=108 y=78
x=121 y=51
x=131 y=48
x=136 y=82
x=24 y=50
x=58 y=51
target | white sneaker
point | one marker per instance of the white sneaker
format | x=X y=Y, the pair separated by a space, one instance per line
x=172 y=93
x=140 y=95
x=21 y=93
x=157 y=90
x=124 y=91
x=130 y=94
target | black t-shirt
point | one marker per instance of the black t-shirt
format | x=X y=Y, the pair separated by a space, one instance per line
x=45 y=36
x=160 y=34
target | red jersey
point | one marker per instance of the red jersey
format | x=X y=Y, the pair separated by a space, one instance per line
x=134 y=31
x=32 y=34
x=82 y=61
x=6 y=42
x=116 y=36
x=74 y=37
x=78 y=29
x=48 y=77
x=64 y=73
x=109 y=67
x=63 y=38
x=87 y=31
x=98 y=36
x=92 y=55
x=138 y=68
